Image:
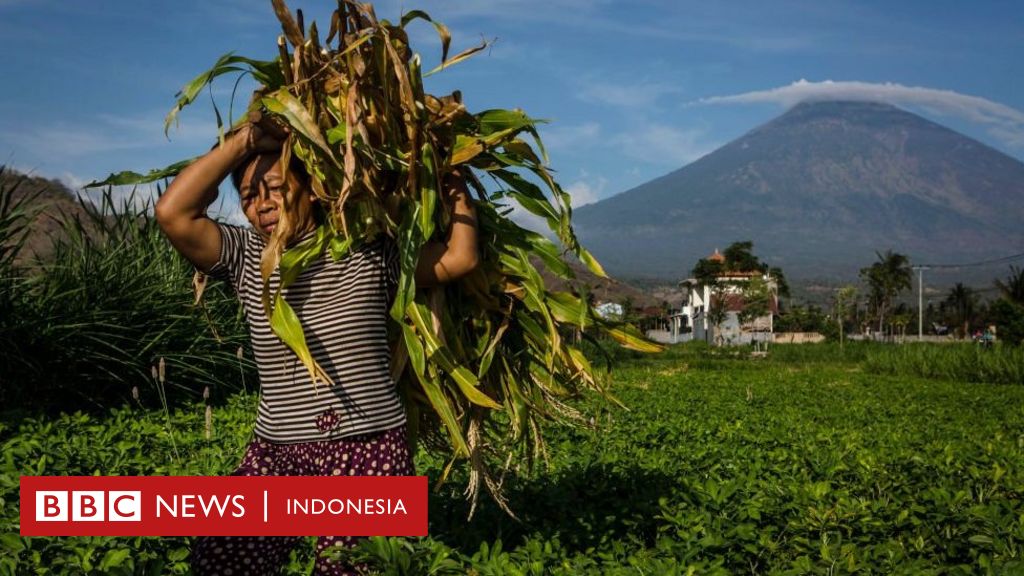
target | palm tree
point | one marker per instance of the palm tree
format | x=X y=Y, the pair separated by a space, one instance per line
x=1013 y=288
x=962 y=299
x=886 y=278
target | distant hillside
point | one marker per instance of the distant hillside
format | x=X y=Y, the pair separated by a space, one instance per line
x=819 y=190
x=603 y=289
x=51 y=200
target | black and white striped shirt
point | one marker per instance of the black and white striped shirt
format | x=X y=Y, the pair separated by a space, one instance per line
x=343 y=307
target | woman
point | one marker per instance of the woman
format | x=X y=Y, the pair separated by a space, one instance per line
x=357 y=426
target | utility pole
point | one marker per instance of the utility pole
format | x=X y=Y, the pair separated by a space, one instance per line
x=920 y=302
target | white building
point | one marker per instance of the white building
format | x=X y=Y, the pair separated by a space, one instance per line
x=728 y=290
x=609 y=310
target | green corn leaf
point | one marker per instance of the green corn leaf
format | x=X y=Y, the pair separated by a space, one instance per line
x=569 y=309
x=629 y=337
x=126 y=178
x=285 y=324
x=409 y=242
x=466 y=148
x=428 y=190
x=438 y=352
x=267 y=73
x=297 y=258
x=549 y=253
x=590 y=262
x=285 y=104
x=417 y=357
x=498 y=121
x=339 y=246
x=443 y=407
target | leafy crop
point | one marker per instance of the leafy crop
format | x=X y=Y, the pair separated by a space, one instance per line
x=378 y=149
x=722 y=465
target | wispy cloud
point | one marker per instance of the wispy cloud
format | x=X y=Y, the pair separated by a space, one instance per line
x=568 y=137
x=625 y=94
x=106 y=133
x=1003 y=122
x=663 y=145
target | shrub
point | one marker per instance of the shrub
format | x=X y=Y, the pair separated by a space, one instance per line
x=88 y=324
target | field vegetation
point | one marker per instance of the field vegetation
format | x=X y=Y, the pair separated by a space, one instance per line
x=812 y=460
x=864 y=458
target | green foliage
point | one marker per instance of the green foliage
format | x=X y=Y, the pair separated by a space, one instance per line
x=738 y=257
x=757 y=301
x=15 y=216
x=1008 y=318
x=1012 y=289
x=962 y=300
x=886 y=278
x=808 y=461
x=958 y=362
x=808 y=318
x=92 y=321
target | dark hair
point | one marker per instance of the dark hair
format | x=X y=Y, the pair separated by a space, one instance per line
x=295 y=166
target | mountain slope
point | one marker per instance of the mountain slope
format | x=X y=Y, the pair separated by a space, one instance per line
x=818 y=190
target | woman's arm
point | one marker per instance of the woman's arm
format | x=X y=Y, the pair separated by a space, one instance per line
x=181 y=211
x=442 y=262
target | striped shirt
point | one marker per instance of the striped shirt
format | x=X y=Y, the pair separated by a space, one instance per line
x=343 y=306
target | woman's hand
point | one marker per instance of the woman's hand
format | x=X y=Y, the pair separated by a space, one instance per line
x=181 y=210
x=260 y=134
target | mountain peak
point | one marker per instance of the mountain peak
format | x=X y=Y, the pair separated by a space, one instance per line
x=819 y=189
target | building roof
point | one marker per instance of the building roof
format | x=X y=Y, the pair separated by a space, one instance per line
x=717 y=256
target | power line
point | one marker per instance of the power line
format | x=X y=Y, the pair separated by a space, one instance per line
x=1003 y=260
x=920 y=268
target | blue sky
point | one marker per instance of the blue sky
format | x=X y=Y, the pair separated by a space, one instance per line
x=632 y=89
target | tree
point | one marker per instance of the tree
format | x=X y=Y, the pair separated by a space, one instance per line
x=962 y=300
x=845 y=298
x=1008 y=318
x=1012 y=289
x=717 y=311
x=739 y=256
x=707 y=271
x=1007 y=313
x=780 y=280
x=886 y=278
x=757 y=302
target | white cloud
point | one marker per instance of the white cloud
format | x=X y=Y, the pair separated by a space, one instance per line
x=1003 y=122
x=587 y=190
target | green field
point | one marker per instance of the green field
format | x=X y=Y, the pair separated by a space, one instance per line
x=809 y=461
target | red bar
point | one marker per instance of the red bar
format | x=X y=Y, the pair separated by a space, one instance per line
x=224 y=506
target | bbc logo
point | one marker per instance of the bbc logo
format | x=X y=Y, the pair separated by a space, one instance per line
x=89 y=506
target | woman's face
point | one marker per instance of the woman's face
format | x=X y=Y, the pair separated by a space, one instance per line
x=262 y=195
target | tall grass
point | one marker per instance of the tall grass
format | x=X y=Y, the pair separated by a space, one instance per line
x=87 y=325
x=820 y=352
x=959 y=362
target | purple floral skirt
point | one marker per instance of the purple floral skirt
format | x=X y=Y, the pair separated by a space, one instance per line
x=376 y=454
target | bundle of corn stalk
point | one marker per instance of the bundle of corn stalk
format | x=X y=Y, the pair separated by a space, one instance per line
x=376 y=147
